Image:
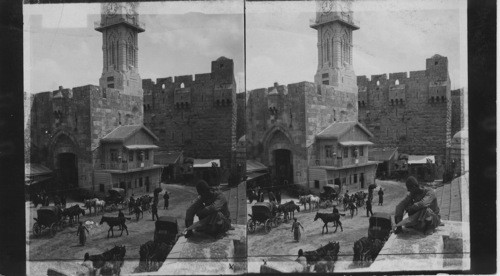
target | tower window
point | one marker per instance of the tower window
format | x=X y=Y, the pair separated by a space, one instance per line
x=163 y=86
x=326 y=82
x=378 y=83
x=182 y=85
x=397 y=82
x=325 y=75
x=110 y=85
x=435 y=63
x=111 y=78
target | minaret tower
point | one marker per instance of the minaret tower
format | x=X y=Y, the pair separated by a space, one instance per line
x=120 y=27
x=335 y=23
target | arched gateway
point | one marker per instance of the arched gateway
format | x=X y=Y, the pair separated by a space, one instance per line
x=65 y=161
x=279 y=151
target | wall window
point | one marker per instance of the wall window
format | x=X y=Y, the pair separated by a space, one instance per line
x=345 y=152
x=130 y=156
x=101 y=188
x=316 y=184
x=113 y=153
x=353 y=151
x=361 y=151
x=355 y=178
x=129 y=185
x=140 y=181
x=139 y=156
x=328 y=151
x=146 y=154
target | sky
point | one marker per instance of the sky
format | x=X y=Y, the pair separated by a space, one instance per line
x=182 y=38
x=61 y=47
x=394 y=36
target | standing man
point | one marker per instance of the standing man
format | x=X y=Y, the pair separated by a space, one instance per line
x=380 y=196
x=296 y=230
x=154 y=210
x=278 y=195
x=369 y=208
x=271 y=196
x=81 y=233
x=166 y=198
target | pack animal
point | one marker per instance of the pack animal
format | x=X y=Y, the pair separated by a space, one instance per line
x=328 y=217
x=366 y=250
x=114 y=221
x=325 y=256
x=73 y=211
x=288 y=209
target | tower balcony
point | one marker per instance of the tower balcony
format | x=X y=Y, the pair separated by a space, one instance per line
x=133 y=23
x=343 y=18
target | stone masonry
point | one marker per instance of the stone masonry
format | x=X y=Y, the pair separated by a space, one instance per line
x=197 y=114
x=413 y=113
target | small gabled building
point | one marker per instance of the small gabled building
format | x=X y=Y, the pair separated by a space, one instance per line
x=340 y=156
x=126 y=160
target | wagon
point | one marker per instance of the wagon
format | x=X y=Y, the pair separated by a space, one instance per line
x=48 y=217
x=166 y=230
x=263 y=213
x=380 y=226
x=331 y=193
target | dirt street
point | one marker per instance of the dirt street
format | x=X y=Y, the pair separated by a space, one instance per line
x=64 y=252
x=279 y=242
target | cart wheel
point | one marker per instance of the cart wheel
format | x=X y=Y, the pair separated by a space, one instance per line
x=36 y=229
x=267 y=226
x=53 y=229
x=251 y=226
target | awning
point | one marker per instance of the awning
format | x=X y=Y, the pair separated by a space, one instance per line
x=139 y=147
x=355 y=143
x=253 y=165
x=205 y=163
x=421 y=159
x=384 y=154
x=167 y=158
x=254 y=175
x=32 y=169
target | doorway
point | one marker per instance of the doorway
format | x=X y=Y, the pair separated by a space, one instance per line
x=67 y=170
x=283 y=166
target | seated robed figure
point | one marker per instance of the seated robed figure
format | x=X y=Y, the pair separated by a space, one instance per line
x=212 y=210
x=421 y=206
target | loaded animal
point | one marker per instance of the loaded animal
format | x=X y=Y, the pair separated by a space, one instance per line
x=112 y=258
x=153 y=254
x=311 y=199
x=115 y=221
x=328 y=217
x=325 y=256
x=73 y=211
x=137 y=211
x=366 y=249
x=289 y=208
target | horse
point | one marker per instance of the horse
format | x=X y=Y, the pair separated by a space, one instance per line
x=326 y=218
x=305 y=199
x=352 y=207
x=115 y=255
x=366 y=249
x=89 y=203
x=99 y=204
x=324 y=256
x=145 y=202
x=153 y=253
x=137 y=211
x=73 y=211
x=314 y=200
x=288 y=208
x=114 y=221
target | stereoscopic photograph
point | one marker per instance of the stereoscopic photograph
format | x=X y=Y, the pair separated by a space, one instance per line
x=133 y=116
x=242 y=137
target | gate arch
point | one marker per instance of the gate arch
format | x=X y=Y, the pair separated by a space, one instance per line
x=64 y=155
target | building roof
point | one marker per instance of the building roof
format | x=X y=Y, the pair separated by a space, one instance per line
x=420 y=159
x=253 y=166
x=337 y=129
x=166 y=158
x=381 y=154
x=205 y=163
x=355 y=143
x=122 y=133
